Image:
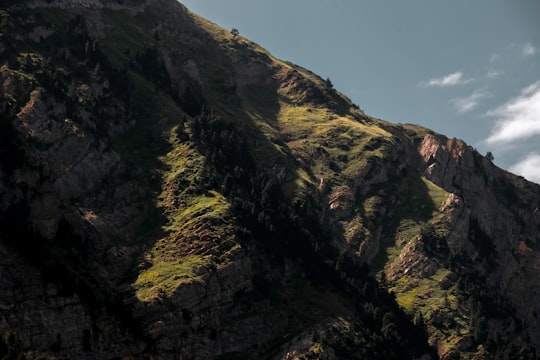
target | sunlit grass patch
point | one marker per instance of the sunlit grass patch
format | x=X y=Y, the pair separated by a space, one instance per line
x=437 y=194
x=424 y=294
x=211 y=208
x=162 y=278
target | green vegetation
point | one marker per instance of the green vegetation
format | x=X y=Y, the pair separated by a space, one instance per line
x=344 y=145
x=155 y=114
x=10 y=346
x=437 y=307
x=415 y=132
x=437 y=195
x=164 y=277
x=124 y=39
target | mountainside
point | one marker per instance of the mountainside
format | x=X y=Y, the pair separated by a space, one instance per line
x=170 y=190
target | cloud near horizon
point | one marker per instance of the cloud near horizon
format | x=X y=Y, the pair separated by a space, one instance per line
x=453 y=79
x=529 y=168
x=465 y=104
x=517 y=119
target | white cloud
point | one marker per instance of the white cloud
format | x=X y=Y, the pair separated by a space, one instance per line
x=528 y=50
x=529 y=168
x=494 y=58
x=448 y=80
x=517 y=119
x=470 y=102
x=492 y=73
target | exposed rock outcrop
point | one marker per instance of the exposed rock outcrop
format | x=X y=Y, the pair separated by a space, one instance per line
x=486 y=195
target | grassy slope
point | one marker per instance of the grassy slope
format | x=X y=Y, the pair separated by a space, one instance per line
x=192 y=219
x=350 y=142
x=339 y=148
x=180 y=255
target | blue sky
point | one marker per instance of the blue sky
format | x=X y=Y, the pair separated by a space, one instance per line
x=467 y=69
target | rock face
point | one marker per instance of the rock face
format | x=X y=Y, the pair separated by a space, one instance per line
x=482 y=196
x=170 y=190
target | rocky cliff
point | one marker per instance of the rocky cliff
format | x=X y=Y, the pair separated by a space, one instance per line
x=172 y=190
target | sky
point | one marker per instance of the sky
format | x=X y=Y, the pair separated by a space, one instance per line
x=466 y=69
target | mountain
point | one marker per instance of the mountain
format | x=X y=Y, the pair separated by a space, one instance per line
x=170 y=190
